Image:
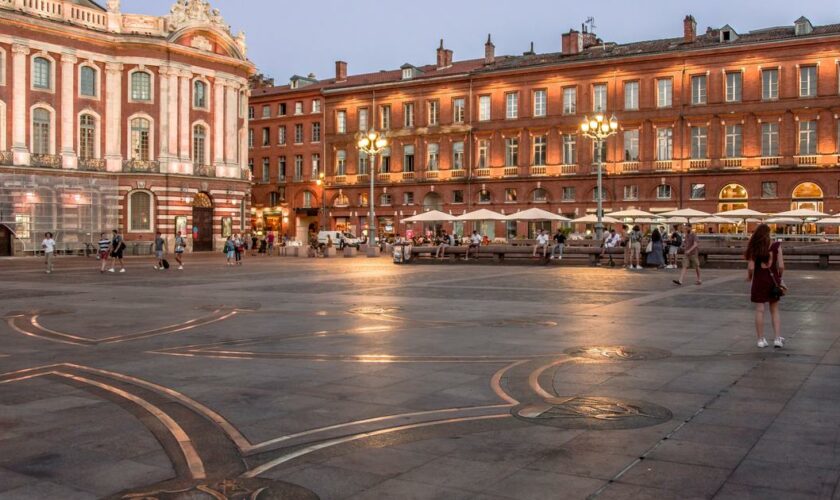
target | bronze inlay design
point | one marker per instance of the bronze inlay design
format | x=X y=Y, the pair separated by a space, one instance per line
x=618 y=353
x=587 y=412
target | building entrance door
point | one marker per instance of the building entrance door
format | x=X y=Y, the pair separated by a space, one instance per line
x=202 y=230
x=6 y=241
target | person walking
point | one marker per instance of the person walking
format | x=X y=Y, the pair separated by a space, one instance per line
x=229 y=251
x=160 y=248
x=270 y=239
x=635 y=243
x=117 y=249
x=656 y=257
x=104 y=251
x=48 y=246
x=691 y=256
x=559 y=244
x=180 y=246
x=674 y=244
x=238 y=248
x=542 y=243
x=765 y=265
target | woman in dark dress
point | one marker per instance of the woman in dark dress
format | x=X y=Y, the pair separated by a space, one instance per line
x=656 y=257
x=765 y=267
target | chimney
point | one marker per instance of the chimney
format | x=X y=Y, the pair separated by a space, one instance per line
x=489 y=52
x=572 y=42
x=340 y=71
x=441 y=56
x=689 y=29
x=448 y=57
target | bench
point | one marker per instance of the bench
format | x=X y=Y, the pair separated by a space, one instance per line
x=499 y=253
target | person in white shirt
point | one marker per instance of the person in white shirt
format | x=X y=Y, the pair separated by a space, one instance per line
x=611 y=240
x=48 y=245
x=542 y=242
x=475 y=242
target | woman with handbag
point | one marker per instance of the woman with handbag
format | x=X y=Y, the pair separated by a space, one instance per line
x=765 y=267
x=655 y=251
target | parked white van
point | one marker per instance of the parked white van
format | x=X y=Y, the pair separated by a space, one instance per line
x=337 y=236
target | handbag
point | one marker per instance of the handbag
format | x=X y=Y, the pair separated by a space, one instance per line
x=649 y=247
x=778 y=290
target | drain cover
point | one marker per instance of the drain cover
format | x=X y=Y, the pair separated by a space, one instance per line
x=618 y=353
x=585 y=412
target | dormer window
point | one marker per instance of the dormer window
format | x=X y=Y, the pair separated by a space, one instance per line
x=727 y=34
x=803 y=26
x=408 y=73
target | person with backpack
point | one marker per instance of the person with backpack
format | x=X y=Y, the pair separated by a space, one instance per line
x=117 y=249
x=635 y=244
x=229 y=250
x=559 y=244
x=180 y=246
x=104 y=251
x=691 y=256
x=160 y=248
x=674 y=245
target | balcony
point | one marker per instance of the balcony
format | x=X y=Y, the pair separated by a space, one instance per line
x=568 y=169
x=629 y=167
x=363 y=179
x=805 y=160
x=733 y=163
x=7 y=158
x=340 y=179
x=663 y=165
x=698 y=164
x=407 y=176
x=141 y=166
x=458 y=173
x=482 y=172
x=45 y=161
x=204 y=170
x=92 y=164
x=511 y=171
x=539 y=170
x=770 y=161
x=383 y=177
x=432 y=175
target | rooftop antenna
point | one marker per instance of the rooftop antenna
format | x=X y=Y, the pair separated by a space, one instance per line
x=590 y=22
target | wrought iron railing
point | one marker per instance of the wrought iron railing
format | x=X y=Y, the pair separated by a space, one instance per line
x=92 y=164
x=146 y=166
x=45 y=161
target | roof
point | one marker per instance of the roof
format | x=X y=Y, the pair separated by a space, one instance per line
x=88 y=3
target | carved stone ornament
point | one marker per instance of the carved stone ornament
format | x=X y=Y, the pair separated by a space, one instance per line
x=201 y=43
x=195 y=13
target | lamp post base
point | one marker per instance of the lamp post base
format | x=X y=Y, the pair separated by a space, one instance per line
x=373 y=251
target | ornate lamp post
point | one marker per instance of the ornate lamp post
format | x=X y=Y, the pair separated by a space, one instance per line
x=371 y=144
x=598 y=129
x=323 y=185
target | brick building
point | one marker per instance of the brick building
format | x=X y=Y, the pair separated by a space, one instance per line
x=120 y=120
x=713 y=121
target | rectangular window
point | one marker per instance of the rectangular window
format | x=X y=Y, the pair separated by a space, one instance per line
x=266 y=111
x=363 y=119
x=512 y=105
x=599 y=98
x=434 y=113
x=569 y=100
x=307 y=199
x=299 y=133
x=432 y=156
x=266 y=169
x=769 y=139
x=341 y=162
x=664 y=92
x=281 y=109
x=664 y=143
x=698 y=90
x=408 y=198
x=483 y=153
x=698 y=191
x=364 y=160
x=538 y=156
x=511 y=152
x=483 y=108
x=408 y=158
x=316 y=132
x=281 y=169
x=87 y=85
x=807 y=138
x=631 y=193
x=510 y=195
x=316 y=105
x=457 y=156
x=299 y=107
x=385 y=117
x=631 y=145
x=266 y=136
x=341 y=122
x=631 y=95
x=385 y=199
x=699 y=143
x=808 y=81
x=298 y=168
x=769 y=189
x=569 y=150
x=458 y=110
x=734 y=141
x=599 y=152
x=769 y=84
x=408 y=115
x=316 y=166
x=458 y=196
x=281 y=135
x=540 y=100
x=250 y=112
x=663 y=192
x=733 y=86
x=251 y=138
x=568 y=193
x=484 y=196
x=385 y=161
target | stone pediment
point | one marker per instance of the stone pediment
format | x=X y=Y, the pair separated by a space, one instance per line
x=188 y=13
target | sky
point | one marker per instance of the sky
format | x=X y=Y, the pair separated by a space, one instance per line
x=287 y=37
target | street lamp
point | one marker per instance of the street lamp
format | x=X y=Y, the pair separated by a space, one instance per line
x=323 y=185
x=598 y=129
x=371 y=143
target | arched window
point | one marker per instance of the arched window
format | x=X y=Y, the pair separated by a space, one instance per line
x=140 y=139
x=733 y=197
x=199 y=145
x=539 y=195
x=87 y=137
x=363 y=200
x=42 y=73
x=141 y=86
x=663 y=192
x=41 y=131
x=87 y=82
x=307 y=199
x=807 y=195
x=200 y=95
x=341 y=200
x=140 y=211
x=432 y=201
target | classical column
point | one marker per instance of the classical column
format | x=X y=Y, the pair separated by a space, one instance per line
x=172 y=137
x=164 y=156
x=184 y=118
x=68 y=72
x=230 y=124
x=242 y=133
x=113 y=117
x=19 y=95
x=218 y=122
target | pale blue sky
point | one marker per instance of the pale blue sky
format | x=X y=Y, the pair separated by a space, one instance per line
x=298 y=37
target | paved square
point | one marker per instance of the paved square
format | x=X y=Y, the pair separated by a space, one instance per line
x=356 y=378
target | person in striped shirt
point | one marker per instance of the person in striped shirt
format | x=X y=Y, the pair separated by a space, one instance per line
x=104 y=251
